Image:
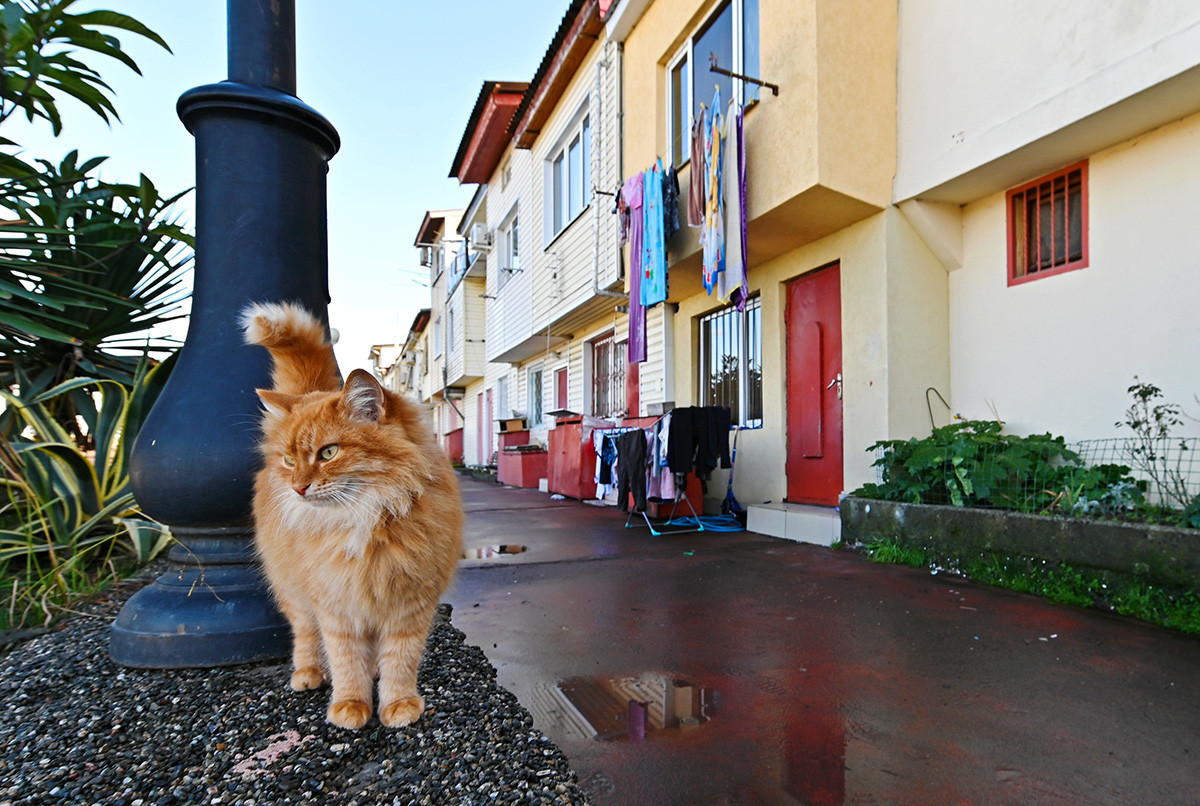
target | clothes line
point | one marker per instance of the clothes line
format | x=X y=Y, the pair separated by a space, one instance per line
x=647 y=204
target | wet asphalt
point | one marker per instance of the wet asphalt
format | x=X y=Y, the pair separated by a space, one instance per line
x=735 y=668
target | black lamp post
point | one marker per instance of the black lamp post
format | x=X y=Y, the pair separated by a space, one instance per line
x=261 y=160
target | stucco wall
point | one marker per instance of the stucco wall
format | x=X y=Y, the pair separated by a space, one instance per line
x=978 y=80
x=894 y=329
x=1058 y=353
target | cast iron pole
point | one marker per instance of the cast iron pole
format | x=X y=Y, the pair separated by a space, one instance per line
x=261 y=160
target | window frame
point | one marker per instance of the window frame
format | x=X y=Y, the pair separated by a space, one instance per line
x=610 y=371
x=536 y=380
x=561 y=186
x=748 y=339
x=508 y=235
x=1017 y=242
x=678 y=132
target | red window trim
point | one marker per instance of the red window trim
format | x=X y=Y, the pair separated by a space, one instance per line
x=1011 y=235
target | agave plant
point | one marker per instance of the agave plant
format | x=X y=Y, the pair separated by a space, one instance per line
x=65 y=505
x=86 y=268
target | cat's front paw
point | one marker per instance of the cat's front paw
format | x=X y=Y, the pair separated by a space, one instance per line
x=308 y=677
x=352 y=714
x=402 y=712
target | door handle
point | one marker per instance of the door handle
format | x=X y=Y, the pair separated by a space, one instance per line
x=837 y=381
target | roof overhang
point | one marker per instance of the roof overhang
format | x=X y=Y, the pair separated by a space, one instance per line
x=431 y=225
x=580 y=29
x=486 y=136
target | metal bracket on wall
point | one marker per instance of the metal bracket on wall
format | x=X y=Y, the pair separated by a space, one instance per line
x=712 y=66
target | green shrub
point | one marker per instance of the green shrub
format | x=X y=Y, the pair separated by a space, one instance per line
x=972 y=463
x=68 y=519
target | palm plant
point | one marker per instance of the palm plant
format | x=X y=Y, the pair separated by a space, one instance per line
x=39 y=44
x=86 y=270
x=69 y=517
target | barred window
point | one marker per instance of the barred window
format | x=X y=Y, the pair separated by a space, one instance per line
x=731 y=362
x=608 y=376
x=1047 y=225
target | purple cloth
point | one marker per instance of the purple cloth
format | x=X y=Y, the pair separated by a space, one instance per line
x=742 y=292
x=632 y=192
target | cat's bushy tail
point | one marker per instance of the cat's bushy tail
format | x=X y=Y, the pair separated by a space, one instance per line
x=301 y=354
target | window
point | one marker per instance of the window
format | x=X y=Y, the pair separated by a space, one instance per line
x=535 y=397
x=451 y=333
x=679 y=113
x=568 y=179
x=608 y=376
x=731 y=34
x=1047 y=225
x=437 y=337
x=510 y=255
x=731 y=362
x=502 y=408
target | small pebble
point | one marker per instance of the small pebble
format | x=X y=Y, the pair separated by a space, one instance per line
x=80 y=729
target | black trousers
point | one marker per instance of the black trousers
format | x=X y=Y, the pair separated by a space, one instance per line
x=631 y=470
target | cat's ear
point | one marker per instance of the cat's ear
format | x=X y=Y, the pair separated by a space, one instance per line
x=276 y=402
x=364 y=396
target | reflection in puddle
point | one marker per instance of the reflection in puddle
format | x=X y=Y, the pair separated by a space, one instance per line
x=485 y=552
x=652 y=705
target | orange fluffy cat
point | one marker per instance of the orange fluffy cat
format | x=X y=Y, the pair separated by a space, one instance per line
x=357 y=519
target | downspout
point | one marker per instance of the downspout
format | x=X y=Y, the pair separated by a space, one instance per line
x=445 y=390
x=596 y=289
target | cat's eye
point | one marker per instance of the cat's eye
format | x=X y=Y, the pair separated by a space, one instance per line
x=289 y=461
x=328 y=452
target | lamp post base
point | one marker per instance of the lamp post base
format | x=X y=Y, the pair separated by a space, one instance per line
x=214 y=611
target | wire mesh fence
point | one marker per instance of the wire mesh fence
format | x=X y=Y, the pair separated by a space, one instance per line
x=1169 y=467
x=1119 y=477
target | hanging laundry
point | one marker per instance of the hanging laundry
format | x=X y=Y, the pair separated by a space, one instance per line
x=670 y=203
x=731 y=283
x=621 y=209
x=654 y=246
x=631 y=470
x=712 y=233
x=696 y=191
x=632 y=194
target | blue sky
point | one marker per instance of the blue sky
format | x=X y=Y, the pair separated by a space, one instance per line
x=397 y=79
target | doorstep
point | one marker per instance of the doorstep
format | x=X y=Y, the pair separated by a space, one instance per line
x=803 y=523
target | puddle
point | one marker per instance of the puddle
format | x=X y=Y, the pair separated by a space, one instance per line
x=486 y=552
x=649 y=706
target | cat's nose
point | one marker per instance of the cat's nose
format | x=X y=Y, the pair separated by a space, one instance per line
x=301 y=488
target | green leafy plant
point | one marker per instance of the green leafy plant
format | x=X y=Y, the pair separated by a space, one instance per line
x=1154 y=451
x=972 y=463
x=90 y=267
x=43 y=45
x=70 y=516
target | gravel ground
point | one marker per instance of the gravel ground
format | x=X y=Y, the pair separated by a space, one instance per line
x=77 y=728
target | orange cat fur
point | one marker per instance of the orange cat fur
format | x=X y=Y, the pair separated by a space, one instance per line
x=357 y=520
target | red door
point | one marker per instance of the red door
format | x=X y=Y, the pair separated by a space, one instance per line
x=487 y=429
x=814 y=387
x=480 y=425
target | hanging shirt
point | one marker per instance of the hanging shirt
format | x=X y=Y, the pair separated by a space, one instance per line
x=631 y=192
x=731 y=283
x=712 y=233
x=654 y=245
x=670 y=203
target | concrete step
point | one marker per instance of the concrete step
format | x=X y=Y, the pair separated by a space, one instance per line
x=803 y=523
